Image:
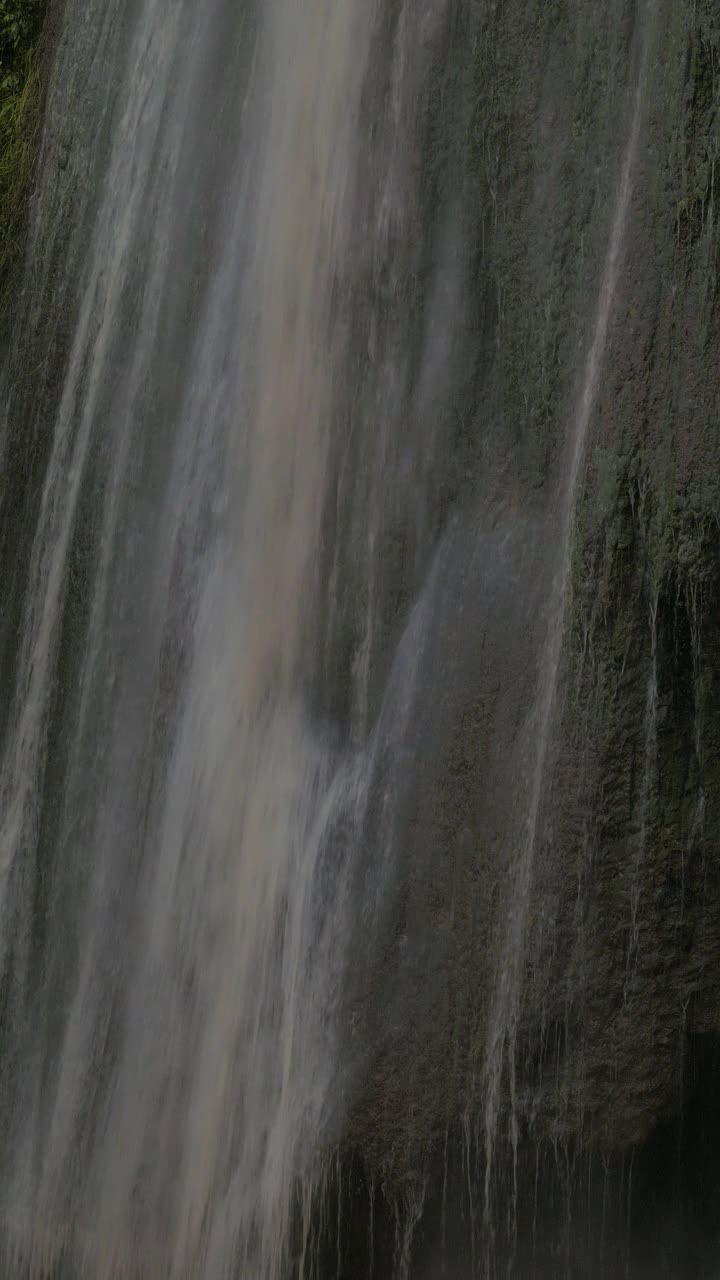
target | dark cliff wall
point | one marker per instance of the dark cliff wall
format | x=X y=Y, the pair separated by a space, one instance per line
x=635 y=888
x=621 y=1003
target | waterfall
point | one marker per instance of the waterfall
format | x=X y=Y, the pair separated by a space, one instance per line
x=317 y=425
x=172 y=1098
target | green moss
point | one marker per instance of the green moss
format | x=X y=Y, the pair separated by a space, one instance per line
x=18 y=135
x=20 y=27
x=694 y=146
x=20 y=23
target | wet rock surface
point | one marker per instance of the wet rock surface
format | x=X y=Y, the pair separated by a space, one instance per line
x=621 y=992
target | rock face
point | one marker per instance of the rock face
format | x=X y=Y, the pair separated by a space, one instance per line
x=521 y=633
x=620 y=1011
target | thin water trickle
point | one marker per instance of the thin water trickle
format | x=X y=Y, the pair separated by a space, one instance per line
x=506 y=1008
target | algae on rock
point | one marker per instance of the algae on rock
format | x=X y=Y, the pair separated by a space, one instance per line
x=20 y=29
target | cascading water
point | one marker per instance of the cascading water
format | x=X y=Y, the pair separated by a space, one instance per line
x=308 y=361
x=181 y=1092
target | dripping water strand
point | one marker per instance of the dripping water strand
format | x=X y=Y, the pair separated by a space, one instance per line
x=505 y=1013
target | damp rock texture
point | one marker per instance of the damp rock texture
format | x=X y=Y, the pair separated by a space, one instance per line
x=620 y=1002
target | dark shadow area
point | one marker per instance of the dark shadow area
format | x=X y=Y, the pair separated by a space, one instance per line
x=648 y=1213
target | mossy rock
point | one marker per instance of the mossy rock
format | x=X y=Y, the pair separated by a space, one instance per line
x=20 y=29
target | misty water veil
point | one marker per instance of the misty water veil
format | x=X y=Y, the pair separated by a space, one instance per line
x=359 y=755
